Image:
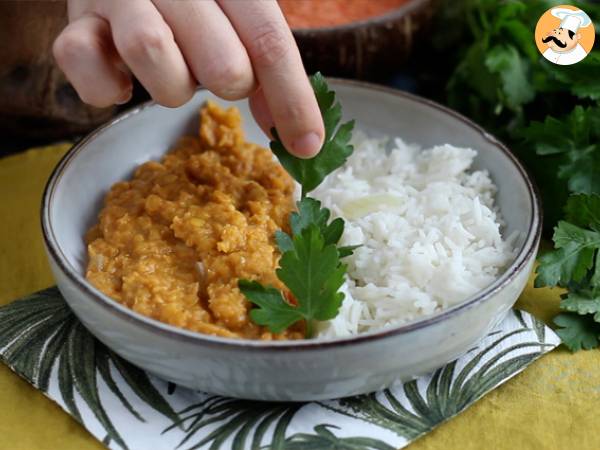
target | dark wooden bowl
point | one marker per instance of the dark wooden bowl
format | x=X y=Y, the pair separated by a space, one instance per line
x=36 y=101
x=367 y=49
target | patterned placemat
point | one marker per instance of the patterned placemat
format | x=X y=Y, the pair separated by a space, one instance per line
x=125 y=408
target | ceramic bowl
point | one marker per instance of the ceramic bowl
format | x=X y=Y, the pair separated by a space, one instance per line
x=289 y=370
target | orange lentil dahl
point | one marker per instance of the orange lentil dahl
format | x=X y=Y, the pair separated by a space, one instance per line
x=327 y=13
x=172 y=242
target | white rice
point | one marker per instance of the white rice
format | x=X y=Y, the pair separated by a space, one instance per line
x=429 y=230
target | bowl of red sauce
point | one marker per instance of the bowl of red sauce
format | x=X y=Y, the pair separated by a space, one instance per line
x=364 y=39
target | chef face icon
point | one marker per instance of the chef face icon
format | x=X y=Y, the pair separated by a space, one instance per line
x=561 y=40
x=565 y=35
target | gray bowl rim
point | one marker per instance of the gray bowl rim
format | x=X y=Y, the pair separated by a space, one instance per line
x=526 y=252
x=394 y=14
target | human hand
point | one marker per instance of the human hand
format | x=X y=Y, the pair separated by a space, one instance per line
x=234 y=48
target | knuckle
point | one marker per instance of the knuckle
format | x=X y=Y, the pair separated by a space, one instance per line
x=291 y=111
x=231 y=79
x=270 y=44
x=144 y=42
x=70 y=47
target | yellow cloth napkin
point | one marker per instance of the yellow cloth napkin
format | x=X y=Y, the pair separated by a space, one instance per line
x=554 y=404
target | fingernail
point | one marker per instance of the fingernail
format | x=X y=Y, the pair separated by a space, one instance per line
x=125 y=97
x=308 y=145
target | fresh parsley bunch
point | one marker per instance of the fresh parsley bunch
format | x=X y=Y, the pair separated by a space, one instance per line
x=564 y=155
x=310 y=264
x=499 y=77
x=575 y=265
x=550 y=115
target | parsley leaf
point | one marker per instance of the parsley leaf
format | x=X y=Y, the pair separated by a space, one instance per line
x=575 y=264
x=584 y=211
x=582 y=302
x=513 y=70
x=550 y=114
x=496 y=73
x=347 y=250
x=336 y=148
x=311 y=212
x=574 y=257
x=273 y=309
x=574 y=140
x=576 y=247
x=284 y=241
x=310 y=264
x=577 y=332
x=582 y=78
x=312 y=272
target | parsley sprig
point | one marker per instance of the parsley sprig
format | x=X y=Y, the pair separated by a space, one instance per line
x=310 y=265
x=313 y=273
x=335 y=151
x=550 y=115
x=575 y=265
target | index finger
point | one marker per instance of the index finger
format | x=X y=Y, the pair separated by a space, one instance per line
x=278 y=67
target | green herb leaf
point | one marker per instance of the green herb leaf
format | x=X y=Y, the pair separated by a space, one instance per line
x=312 y=272
x=336 y=148
x=553 y=136
x=347 y=250
x=331 y=111
x=575 y=264
x=284 y=241
x=583 y=79
x=505 y=61
x=577 y=243
x=577 y=332
x=518 y=33
x=575 y=140
x=310 y=264
x=310 y=212
x=582 y=169
x=333 y=232
x=582 y=302
x=572 y=259
x=551 y=115
x=273 y=310
x=584 y=211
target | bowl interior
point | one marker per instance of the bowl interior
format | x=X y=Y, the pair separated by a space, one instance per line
x=111 y=153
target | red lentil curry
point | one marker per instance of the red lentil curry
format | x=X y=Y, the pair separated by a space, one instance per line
x=172 y=242
x=327 y=13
